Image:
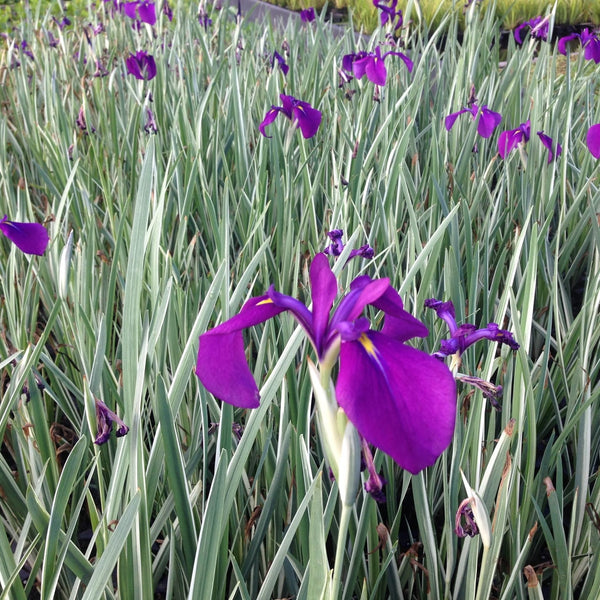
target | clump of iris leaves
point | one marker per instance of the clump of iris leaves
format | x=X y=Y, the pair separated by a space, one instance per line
x=174 y=226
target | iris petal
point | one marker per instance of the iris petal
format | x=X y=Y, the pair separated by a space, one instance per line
x=222 y=367
x=593 y=140
x=31 y=238
x=400 y=399
x=324 y=290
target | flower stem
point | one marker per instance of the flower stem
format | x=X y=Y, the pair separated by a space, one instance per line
x=340 y=551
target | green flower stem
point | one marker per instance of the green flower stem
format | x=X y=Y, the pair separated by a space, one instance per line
x=336 y=588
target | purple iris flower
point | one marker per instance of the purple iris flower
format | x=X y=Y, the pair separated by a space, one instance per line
x=488 y=119
x=301 y=113
x=463 y=336
x=538 y=28
x=141 y=10
x=593 y=140
x=389 y=12
x=31 y=238
x=400 y=399
x=549 y=144
x=141 y=65
x=590 y=42
x=106 y=418
x=26 y=51
x=81 y=122
x=509 y=140
x=372 y=64
x=280 y=61
x=337 y=246
x=308 y=15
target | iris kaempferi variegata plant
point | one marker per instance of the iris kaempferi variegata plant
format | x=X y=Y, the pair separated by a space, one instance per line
x=369 y=385
x=301 y=113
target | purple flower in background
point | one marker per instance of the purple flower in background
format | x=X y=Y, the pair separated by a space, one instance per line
x=141 y=65
x=509 y=140
x=280 y=61
x=337 y=246
x=538 y=28
x=389 y=12
x=590 y=42
x=52 y=41
x=308 y=15
x=150 y=126
x=400 y=399
x=593 y=140
x=101 y=70
x=372 y=64
x=141 y=10
x=26 y=51
x=105 y=418
x=31 y=238
x=463 y=336
x=301 y=113
x=63 y=22
x=167 y=10
x=548 y=143
x=488 y=119
x=204 y=19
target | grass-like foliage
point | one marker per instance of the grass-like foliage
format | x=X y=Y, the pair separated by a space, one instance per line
x=156 y=237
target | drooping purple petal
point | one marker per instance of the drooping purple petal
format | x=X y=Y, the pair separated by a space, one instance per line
x=31 y=238
x=147 y=12
x=451 y=118
x=323 y=285
x=562 y=43
x=488 y=121
x=270 y=116
x=548 y=143
x=308 y=118
x=593 y=140
x=409 y=63
x=375 y=68
x=221 y=366
x=400 y=399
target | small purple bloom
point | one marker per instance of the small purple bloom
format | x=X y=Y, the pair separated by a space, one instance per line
x=389 y=12
x=372 y=64
x=301 y=113
x=538 y=28
x=101 y=70
x=400 y=399
x=337 y=246
x=150 y=126
x=141 y=65
x=105 y=418
x=31 y=238
x=590 y=42
x=204 y=19
x=63 y=22
x=548 y=143
x=593 y=140
x=375 y=482
x=465 y=515
x=463 y=336
x=509 y=140
x=488 y=119
x=308 y=15
x=280 y=61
